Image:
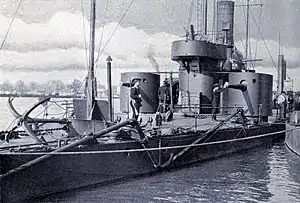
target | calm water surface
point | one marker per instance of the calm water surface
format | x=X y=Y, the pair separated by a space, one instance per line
x=270 y=174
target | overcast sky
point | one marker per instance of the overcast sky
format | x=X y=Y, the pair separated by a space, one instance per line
x=47 y=37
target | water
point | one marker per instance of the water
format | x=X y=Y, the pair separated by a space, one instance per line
x=267 y=175
x=22 y=104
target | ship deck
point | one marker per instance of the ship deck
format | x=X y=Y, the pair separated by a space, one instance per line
x=201 y=123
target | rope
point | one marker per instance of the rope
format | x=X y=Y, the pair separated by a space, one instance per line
x=245 y=19
x=84 y=34
x=59 y=106
x=55 y=114
x=100 y=53
x=257 y=34
x=10 y=24
x=265 y=43
x=117 y=26
x=81 y=84
x=239 y=36
x=11 y=124
x=43 y=110
x=85 y=43
x=190 y=14
x=148 y=149
x=41 y=130
x=104 y=21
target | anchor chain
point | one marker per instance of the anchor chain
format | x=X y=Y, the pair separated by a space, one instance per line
x=5 y=133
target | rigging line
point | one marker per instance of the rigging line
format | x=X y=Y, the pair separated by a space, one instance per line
x=190 y=14
x=84 y=34
x=147 y=149
x=11 y=124
x=10 y=24
x=257 y=34
x=104 y=22
x=239 y=36
x=81 y=84
x=112 y=34
x=250 y=53
x=265 y=43
x=245 y=18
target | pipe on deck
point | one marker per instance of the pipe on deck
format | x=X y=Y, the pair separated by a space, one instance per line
x=82 y=141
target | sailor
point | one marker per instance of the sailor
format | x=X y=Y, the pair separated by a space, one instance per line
x=290 y=103
x=275 y=105
x=281 y=101
x=217 y=89
x=164 y=96
x=136 y=98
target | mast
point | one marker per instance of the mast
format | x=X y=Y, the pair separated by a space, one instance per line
x=247 y=32
x=202 y=16
x=214 y=27
x=279 y=44
x=91 y=88
x=205 y=17
x=110 y=99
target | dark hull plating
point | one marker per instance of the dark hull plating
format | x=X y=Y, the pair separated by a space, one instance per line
x=64 y=172
x=292 y=140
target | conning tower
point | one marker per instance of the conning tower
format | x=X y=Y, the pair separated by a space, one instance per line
x=203 y=63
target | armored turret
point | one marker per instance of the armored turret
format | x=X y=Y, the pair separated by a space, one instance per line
x=203 y=63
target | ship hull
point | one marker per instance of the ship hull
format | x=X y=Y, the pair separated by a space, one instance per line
x=69 y=171
x=292 y=140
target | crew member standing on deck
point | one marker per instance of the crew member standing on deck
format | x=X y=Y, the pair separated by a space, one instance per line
x=281 y=101
x=290 y=103
x=216 y=98
x=136 y=98
x=164 y=97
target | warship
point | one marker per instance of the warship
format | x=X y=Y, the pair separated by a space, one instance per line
x=93 y=145
x=292 y=139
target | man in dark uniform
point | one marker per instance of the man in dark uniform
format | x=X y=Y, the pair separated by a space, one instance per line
x=136 y=98
x=216 y=98
x=290 y=102
x=164 y=96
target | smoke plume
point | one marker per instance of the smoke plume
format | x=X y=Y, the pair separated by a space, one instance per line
x=152 y=60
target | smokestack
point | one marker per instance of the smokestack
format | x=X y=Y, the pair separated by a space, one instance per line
x=225 y=19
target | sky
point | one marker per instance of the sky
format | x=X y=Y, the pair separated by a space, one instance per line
x=47 y=39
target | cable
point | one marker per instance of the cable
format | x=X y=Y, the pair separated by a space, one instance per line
x=191 y=14
x=104 y=21
x=11 y=124
x=257 y=34
x=239 y=35
x=265 y=43
x=84 y=34
x=85 y=43
x=82 y=82
x=148 y=149
x=10 y=25
x=117 y=26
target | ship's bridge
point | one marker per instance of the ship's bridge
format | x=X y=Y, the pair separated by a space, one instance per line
x=191 y=49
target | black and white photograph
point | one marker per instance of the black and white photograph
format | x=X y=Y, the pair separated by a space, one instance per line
x=145 y=101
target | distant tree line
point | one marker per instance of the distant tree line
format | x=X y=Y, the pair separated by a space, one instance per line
x=50 y=86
